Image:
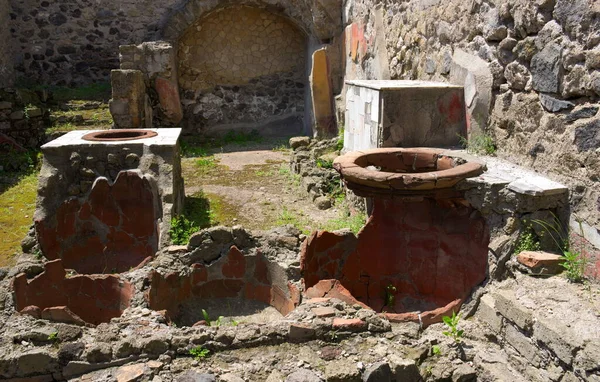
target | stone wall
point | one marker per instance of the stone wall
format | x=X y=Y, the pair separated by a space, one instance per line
x=529 y=69
x=242 y=65
x=75 y=42
x=68 y=43
x=6 y=52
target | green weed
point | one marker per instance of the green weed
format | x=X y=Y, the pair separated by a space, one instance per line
x=325 y=163
x=481 y=143
x=452 y=324
x=93 y=92
x=390 y=296
x=181 y=230
x=15 y=161
x=17 y=204
x=199 y=353
x=241 y=137
x=284 y=147
x=208 y=321
x=29 y=107
x=206 y=163
x=435 y=349
x=527 y=241
x=574 y=264
x=53 y=337
x=352 y=221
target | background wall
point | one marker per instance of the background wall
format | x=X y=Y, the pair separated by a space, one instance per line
x=74 y=42
x=242 y=65
x=530 y=70
x=6 y=51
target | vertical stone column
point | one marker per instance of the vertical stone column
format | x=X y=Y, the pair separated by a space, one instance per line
x=322 y=97
x=156 y=60
x=129 y=103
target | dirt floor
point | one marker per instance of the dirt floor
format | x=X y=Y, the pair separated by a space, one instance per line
x=251 y=185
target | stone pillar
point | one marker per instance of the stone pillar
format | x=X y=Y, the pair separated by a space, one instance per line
x=156 y=60
x=322 y=97
x=474 y=74
x=129 y=104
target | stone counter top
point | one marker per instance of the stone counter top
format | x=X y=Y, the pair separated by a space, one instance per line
x=165 y=137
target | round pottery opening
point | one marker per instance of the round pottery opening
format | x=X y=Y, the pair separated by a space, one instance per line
x=119 y=135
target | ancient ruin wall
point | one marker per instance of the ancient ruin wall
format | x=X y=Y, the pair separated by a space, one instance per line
x=242 y=65
x=6 y=53
x=78 y=41
x=530 y=70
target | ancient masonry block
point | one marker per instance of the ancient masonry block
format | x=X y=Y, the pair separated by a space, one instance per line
x=403 y=114
x=113 y=198
x=129 y=105
x=78 y=299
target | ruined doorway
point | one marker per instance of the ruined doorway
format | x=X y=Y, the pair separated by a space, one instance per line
x=243 y=68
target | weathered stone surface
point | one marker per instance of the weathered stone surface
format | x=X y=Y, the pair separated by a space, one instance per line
x=94 y=299
x=301 y=332
x=130 y=373
x=517 y=76
x=552 y=104
x=297 y=142
x=114 y=223
x=582 y=112
x=464 y=373
x=323 y=202
x=170 y=104
x=474 y=74
x=324 y=312
x=303 y=375
x=537 y=186
x=404 y=369
x=231 y=378
x=510 y=308
x=378 y=372
x=487 y=313
x=523 y=344
x=541 y=262
x=349 y=324
x=129 y=101
x=194 y=376
x=588 y=358
x=342 y=371
x=546 y=69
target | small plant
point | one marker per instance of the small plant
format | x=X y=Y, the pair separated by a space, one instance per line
x=390 y=296
x=37 y=253
x=452 y=324
x=28 y=108
x=333 y=335
x=324 y=163
x=339 y=145
x=527 y=241
x=208 y=321
x=574 y=264
x=481 y=143
x=53 y=337
x=281 y=148
x=181 y=230
x=435 y=349
x=199 y=353
x=206 y=163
